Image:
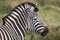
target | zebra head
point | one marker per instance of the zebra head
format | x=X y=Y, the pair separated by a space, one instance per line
x=39 y=26
x=35 y=23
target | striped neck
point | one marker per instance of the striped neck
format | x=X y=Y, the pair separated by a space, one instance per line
x=17 y=20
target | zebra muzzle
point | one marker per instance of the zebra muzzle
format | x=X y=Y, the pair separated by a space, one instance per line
x=45 y=31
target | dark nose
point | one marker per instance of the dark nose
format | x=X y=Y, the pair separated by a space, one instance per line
x=45 y=32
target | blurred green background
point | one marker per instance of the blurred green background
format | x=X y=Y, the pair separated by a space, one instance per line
x=49 y=10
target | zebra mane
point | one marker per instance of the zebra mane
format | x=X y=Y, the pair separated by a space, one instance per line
x=32 y=4
x=29 y=3
x=23 y=4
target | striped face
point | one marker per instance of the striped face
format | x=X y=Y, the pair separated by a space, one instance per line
x=39 y=26
x=32 y=11
x=35 y=23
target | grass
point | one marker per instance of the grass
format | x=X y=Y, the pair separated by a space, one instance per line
x=49 y=13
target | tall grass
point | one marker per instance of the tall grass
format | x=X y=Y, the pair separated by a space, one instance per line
x=49 y=13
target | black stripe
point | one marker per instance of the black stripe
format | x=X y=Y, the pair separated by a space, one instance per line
x=18 y=25
x=22 y=15
x=7 y=35
x=25 y=12
x=0 y=37
x=8 y=28
x=15 y=27
x=37 y=24
x=38 y=27
x=38 y=30
x=11 y=26
x=22 y=12
x=3 y=33
x=20 y=22
x=8 y=23
x=22 y=5
x=7 y=31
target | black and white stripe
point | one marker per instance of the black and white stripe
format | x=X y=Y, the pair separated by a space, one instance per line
x=21 y=18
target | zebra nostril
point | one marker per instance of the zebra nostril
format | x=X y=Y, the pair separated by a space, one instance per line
x=45 y=32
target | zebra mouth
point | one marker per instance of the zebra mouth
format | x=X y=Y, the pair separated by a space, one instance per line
x=45 y=32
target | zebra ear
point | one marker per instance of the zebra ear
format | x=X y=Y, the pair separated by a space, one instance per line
x=36 y=9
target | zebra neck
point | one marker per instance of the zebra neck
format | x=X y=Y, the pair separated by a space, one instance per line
x=12 y=31
x=16 y=22
x=17 y=19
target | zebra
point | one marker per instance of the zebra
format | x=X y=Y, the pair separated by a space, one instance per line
x=21 y=19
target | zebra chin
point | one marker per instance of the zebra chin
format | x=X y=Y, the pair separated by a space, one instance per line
x=43 y=32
